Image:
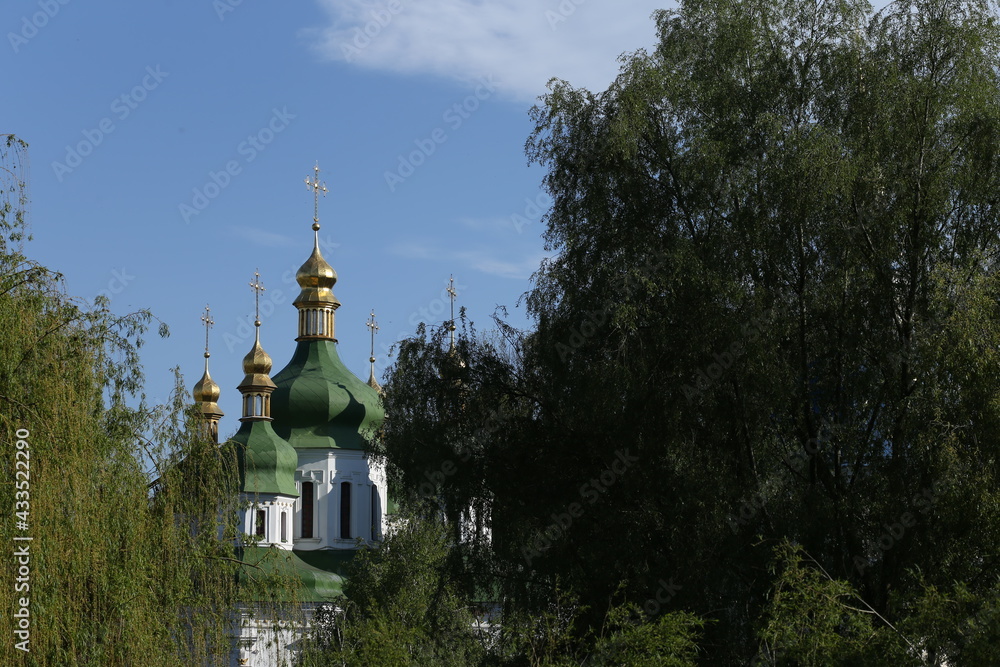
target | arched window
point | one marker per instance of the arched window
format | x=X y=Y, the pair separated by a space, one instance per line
x=376 y=515
x=345 y=510
x=261 y=524
x=284 y=526
x=307 y=510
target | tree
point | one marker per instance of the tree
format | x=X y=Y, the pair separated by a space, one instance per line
x=812 y=619
x=400 y=607
x=113 y=573
x=771 y=313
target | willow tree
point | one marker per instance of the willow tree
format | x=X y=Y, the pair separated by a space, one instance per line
x=788 y=215
x=771 y=312
x=113 y=573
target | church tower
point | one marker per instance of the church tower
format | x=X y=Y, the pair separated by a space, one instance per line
x=309 y=492
x=324 y=411
x=266 y=461
x=206 y=392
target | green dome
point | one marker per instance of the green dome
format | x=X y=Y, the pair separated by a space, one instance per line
x=267 y=463
x=320 y=574
x=318 y=403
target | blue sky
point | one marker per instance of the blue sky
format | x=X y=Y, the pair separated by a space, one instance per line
x=169 y=142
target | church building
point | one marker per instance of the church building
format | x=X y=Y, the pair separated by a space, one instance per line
x=306 y=484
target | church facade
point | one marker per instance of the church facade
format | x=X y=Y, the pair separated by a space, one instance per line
x=308 y=490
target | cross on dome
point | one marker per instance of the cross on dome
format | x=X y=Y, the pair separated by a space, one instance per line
x=258 y=288
x=209 y=323
x=317 y=186
x=373 y=325
x=452 y=294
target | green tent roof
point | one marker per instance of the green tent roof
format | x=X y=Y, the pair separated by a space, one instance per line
x=321 y=404
x=266 y=462
x=320 y=573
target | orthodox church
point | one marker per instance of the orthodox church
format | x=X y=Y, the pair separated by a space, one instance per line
x=306 y=484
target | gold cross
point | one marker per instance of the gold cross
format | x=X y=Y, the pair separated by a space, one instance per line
x=373 y=325
x=317 y=187
x=453 y=294
x=258 y=288
x=207 y=319
x=451 y=326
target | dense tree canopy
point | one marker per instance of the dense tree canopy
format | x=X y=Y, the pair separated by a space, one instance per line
x=771 y=315
x=101 y=568
x=756 y=418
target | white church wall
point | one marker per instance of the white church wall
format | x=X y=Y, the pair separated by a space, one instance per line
x=328 y=470
x=273 y=506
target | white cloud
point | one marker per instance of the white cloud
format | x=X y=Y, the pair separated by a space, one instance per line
x=522 y=43
x=480 y=260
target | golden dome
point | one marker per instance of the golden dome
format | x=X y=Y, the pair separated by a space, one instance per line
x=206 y=391
x=206 y=395
x=257 y=365
x=316 y=277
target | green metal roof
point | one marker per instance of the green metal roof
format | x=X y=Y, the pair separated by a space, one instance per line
x=321 y=573
x=266 y=462
x=321 y=404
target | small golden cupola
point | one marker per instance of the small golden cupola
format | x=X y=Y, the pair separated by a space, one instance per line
x=316 y=302
x=206 y=392
x=257 y=384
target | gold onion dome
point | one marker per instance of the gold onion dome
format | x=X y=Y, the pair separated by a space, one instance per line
x=316 y=277
x=206 y=391
x=318 y=402
x=257 y=365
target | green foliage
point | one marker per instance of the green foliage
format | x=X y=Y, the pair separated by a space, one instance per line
x=774 y=286
x=546 y=638
x=123 y=569
x=670 y=640
x=401 y=608
x=813 y=619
